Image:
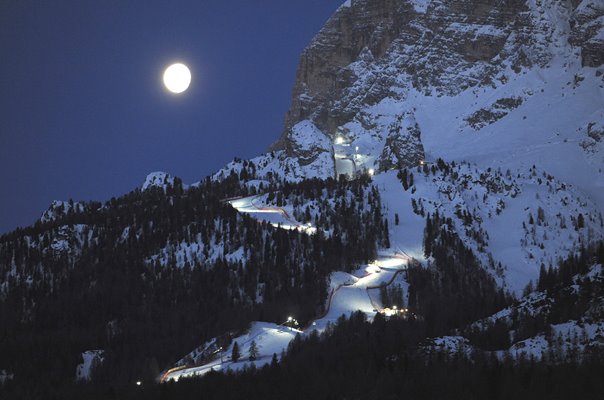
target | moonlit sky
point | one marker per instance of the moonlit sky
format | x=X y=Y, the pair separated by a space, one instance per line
x=84 y=113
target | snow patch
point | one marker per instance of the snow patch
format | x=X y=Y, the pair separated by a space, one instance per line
x=420 y=6
x=449 y=345
x=5 y=376
x=91 y=359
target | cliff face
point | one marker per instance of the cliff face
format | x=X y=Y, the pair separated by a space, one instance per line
x=587 y=31
x=373 y=53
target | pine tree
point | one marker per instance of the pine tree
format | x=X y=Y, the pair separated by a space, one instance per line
x=428 y=237
x=402 y=175
x=384 y=298
x=235 y=354
x=253 y=351
x=580 y=222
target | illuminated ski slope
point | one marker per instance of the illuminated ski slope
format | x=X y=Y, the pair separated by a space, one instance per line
x=274 y=215
x=358 y=291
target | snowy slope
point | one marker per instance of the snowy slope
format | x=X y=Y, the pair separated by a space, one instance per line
x=561 y=341
x=549 y=128
x=513 y=221
x=258 y=207
x=550 y=117
x=358 y=291
x=270 y=339
x=348 y=293
x=506 y=92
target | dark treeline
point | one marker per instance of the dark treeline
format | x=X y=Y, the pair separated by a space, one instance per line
x=551 y=278
x=454 y=289
x=113 y=277
x=381 y=360
x=565 y=293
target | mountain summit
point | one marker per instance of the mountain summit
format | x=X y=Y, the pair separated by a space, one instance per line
x=398 y=81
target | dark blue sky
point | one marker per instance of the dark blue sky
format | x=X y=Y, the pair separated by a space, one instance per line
x=83 y=112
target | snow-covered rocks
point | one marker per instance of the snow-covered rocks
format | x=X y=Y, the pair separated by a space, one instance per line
x=308 y=142
x=277 y=164
x=496 y=111
x=68 y=239
x=449 y=345
x=587 y=26
x=432 y=47
x=59 y=209
x=158 y=179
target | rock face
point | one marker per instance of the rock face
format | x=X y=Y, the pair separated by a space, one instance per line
x=307 y=141
x=403 y=147
x=587 y=26
x=372 y=53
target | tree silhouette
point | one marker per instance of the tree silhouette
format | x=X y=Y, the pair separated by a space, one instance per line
x=235 y=354
x=253 y=351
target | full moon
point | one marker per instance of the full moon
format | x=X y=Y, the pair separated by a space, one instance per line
x=177 y=78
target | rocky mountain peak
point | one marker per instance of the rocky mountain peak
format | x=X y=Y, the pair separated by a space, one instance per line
x=354 y=78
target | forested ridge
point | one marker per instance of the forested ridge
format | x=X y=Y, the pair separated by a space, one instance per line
x=153 y=274
x=392 y=358
x=88 y=279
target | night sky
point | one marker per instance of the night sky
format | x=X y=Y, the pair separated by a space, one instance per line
x=83 y=111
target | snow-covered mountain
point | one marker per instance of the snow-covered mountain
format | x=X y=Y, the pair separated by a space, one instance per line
x=490 y=114
x=439 y=156
x=499 y=83
x=511 y=93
